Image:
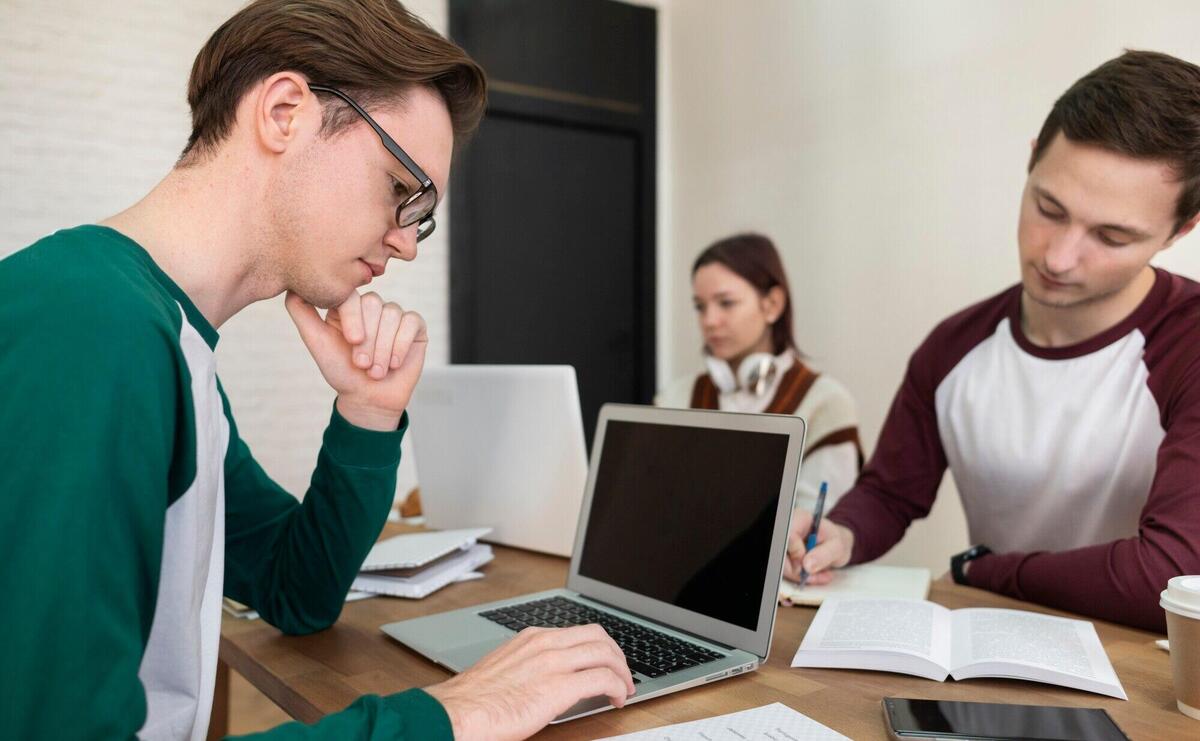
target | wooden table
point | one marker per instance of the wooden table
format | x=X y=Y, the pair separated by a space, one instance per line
x=311 y=676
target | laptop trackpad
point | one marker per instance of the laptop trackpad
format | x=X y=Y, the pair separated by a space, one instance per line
x=461 y=658
x=583 y=706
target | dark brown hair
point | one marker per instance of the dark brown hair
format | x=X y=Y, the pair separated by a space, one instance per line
x=373 y=50
x=755 y=259
x=1142 y=104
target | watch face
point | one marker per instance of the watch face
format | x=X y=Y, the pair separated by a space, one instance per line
x=974 y=552
x=958 y=563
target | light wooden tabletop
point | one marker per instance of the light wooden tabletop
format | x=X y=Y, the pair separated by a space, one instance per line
x=311 y=676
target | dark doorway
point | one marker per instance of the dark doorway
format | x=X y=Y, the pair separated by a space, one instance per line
x=553 y=208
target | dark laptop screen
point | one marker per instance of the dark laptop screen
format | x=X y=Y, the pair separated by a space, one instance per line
x=684 y=515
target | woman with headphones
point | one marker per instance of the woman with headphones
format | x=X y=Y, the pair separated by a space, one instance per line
x=745 y=311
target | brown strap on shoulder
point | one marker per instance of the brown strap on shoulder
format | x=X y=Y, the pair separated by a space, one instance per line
x=704 y=393
x=837 y=437
x=792 y=389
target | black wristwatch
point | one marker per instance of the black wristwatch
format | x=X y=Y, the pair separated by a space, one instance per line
x=959 y=560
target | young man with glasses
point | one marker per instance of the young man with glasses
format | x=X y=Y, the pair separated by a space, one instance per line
x=1068 y=406
x=128 y=503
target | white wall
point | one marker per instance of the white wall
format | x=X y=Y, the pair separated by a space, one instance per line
x=93 y=113
x=882 y=145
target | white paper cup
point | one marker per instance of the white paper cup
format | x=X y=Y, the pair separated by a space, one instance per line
x=1181 y=600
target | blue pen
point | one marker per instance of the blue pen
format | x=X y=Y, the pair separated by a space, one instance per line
x=811 y=541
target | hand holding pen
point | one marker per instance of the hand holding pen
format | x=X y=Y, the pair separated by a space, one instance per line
x=816 y=544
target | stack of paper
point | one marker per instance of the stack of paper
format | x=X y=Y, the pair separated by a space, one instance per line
x=418 y=564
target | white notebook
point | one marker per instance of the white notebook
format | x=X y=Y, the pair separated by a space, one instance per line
x=927 y=640
x=414 y=550
x=865 y=580
x=428 y=580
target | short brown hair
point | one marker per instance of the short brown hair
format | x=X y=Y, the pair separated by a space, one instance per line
x=1142 y=104
x=755 y=259
x=373 y=50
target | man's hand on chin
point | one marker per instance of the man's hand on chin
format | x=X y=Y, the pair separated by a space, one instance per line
x=370 y=352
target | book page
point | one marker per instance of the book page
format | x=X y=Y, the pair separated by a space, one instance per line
x=1028 y=645
x=864 y=632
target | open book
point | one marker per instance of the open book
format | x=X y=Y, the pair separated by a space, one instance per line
x=927 y=640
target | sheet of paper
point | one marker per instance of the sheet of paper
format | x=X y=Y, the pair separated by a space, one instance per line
x=774 y=722
x=866 y=580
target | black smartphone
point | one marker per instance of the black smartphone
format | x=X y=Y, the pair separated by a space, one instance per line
x=943 y=719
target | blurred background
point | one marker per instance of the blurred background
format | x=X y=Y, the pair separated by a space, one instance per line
x=882 y=145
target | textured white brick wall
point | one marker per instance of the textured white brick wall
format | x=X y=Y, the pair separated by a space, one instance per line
x=93 y=113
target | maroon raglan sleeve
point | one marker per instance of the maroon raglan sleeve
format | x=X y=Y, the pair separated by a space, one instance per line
x=900 y=482
x=901 y=479
x=1121 y=581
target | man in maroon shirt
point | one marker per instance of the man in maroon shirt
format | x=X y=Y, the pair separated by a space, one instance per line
x=1068 y=406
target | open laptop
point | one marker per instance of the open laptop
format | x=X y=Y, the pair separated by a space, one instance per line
x=501 y=446
x=678 y=553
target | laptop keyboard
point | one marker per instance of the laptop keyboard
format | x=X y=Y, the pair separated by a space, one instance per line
x=646 y=650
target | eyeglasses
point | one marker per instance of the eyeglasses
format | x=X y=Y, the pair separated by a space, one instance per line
x=417 y=208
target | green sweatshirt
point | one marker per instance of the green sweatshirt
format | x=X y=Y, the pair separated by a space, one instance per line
x=128 y=505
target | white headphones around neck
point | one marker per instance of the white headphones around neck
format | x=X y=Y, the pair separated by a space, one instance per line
x=755 y=373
